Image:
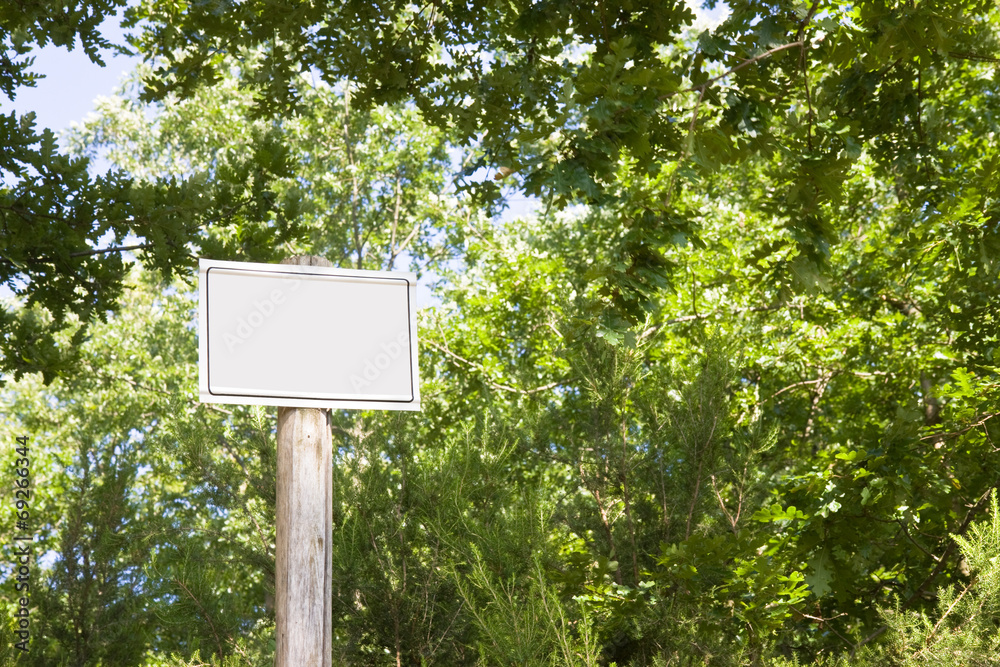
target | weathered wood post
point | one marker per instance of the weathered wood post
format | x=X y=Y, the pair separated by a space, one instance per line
x=303 y=581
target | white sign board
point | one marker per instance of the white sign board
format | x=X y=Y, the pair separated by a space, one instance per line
x=307 y=336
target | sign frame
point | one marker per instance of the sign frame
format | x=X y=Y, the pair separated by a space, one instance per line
x=219 y=278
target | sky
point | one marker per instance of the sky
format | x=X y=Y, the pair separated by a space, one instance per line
x=72 y=82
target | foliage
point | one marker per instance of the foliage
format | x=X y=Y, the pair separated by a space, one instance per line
x=965 y=629
x=63 y=231
x=729 y=398
x=120 y=528
x=623 y=108
x=365 y=187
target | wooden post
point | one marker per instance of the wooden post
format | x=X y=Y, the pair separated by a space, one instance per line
x=304 y=563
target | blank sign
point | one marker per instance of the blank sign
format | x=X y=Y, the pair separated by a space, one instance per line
x=307 y=336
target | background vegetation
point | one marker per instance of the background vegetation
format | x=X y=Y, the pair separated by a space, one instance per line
x=728 y=397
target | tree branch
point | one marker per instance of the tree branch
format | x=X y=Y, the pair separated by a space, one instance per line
x=946 y=613
x=746 y=63
x=82 y=253
x=966 y=522
x=966 y=429
x=102 y=251
x=722 y=505
x=204 y=613
x=486 y=378
x=818 y=380
x=965 y=55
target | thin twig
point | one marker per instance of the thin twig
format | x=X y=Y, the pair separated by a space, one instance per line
x=955 y=434
x=805 y=71
x=594 y=491
x=495 y=385
x=814 y=404
x=82 y=253
x=138 y=246
x=746 y=63
x=702 y=88
x=722 y=505
x=945 y=615
x=794 y=386
x=820 y=619
x=963 y=55
x=966 y=522
x=246 y=506
x=143 y=387
x=204 y=613
x=737 y=311
x=915 y=543
x=628 y=504
x=809 y=104
x=451 y=623
x=697 y=481
x=395 y=221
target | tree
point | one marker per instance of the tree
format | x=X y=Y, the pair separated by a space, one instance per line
x=579 y=102
x=366 y=187
x=48 y=201
x=620 y=108
x=127 y=498
x=160 y=477
x=64 y=231
x=728 y=408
